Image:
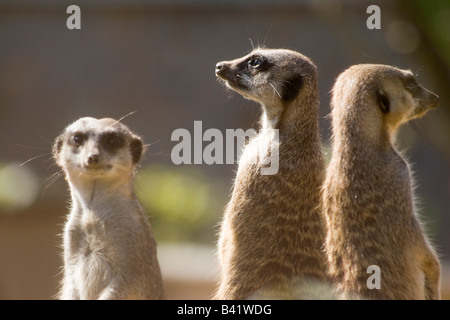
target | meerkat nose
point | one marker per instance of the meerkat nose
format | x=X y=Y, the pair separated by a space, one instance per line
x=219 y=67
x=93 y=159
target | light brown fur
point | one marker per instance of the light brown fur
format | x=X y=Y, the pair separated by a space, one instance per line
x=109 y=249
x=368 y=196
x=272 y=235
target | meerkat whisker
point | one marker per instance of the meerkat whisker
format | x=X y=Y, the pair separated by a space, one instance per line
x=275 y=90
x=251 y=43
x=34 y=158
x=51 y=180
x=127 y=115
x=152 y=143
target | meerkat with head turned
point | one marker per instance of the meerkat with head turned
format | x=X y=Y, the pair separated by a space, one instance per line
x=272 y=234
x=109 y=249
x=368 y=197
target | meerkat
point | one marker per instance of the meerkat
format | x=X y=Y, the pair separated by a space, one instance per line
x=368 y=193
x=272 y=234
x=109 y=249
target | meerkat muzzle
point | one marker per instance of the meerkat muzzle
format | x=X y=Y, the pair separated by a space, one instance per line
x=93 y=159
x=219 y=68
x=94 y=162
x=233 y=77
x=431 y=99
x=427 y=101
x=223 y=70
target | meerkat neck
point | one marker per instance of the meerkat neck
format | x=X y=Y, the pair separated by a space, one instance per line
x=352 y=142
x=300 y=119
x=288 y=117
x=270 y=116
x=98 y=192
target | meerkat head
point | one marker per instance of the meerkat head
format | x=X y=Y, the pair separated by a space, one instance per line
x=379 y=98
x=273 y=77
x=97 y=148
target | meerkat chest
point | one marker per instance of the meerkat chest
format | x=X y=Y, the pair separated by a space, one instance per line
x=89 y=234
x=95 y=231
x=86 y=253
x=261 y=151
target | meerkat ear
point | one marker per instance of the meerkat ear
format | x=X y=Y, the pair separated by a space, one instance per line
x=57 y=145
x=383 y=101
x=136 y=148
x=291 y=87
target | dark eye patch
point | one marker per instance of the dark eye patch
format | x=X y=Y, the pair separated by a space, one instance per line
x=383 y=101
x=291 y=87
x=112 y=141
x=136 y=148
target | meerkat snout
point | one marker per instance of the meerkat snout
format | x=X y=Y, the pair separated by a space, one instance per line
x=93 y=159
x=219 y=67
x=426 y=100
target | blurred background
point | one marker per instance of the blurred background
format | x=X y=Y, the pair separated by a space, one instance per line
x=157 y=58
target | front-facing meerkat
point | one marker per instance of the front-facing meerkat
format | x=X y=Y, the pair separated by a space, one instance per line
x=368 y=194
x=272 y=235
x=109 y=249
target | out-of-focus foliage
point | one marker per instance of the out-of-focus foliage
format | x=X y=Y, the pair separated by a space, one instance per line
x=18 y=187
x=434 y=19
x=182 y=202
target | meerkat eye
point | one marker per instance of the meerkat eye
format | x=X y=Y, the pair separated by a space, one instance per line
x=383 y=101
x=79 y=138
x=255 y=62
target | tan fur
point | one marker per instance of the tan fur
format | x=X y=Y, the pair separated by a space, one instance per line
x=368 y=196
x=272 y=235
x=109 y=250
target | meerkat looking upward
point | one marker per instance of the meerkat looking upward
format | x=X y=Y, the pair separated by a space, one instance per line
x=272 y=234
x=368 y=194
x=109 y=249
